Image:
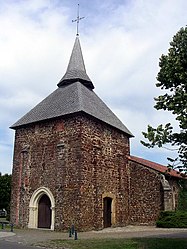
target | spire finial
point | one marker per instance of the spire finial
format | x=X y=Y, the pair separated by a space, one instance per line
x=77 y=20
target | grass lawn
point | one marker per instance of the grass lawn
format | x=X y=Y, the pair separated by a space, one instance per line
x=143 y=243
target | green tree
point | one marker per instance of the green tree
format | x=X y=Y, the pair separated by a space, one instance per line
x=5 y=191
x=172 y=79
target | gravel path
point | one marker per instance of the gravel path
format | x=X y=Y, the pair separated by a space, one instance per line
x=31 y=236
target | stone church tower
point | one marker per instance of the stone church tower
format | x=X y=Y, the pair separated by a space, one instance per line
x=72 y=164
x=71 y=159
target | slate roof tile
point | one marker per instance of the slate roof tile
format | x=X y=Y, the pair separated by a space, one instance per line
x=75 y=94
x=70 y=99
x=76 y=70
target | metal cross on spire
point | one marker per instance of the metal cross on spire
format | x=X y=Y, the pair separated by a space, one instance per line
x=77 y=20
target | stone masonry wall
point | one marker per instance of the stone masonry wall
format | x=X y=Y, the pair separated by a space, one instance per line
x=104 y=172
x=52 y=161
x=78 y=159
x=146 y=194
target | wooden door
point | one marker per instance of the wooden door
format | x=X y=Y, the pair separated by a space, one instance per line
x=107 y=211
x=44 y=212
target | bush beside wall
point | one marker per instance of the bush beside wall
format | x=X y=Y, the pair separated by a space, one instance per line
x=172 y=219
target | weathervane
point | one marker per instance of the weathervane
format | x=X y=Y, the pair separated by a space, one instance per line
x=77 y=20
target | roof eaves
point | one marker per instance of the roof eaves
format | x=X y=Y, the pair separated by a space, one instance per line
x=157 y=167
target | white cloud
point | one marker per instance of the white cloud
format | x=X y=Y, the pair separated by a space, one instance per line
x=121 y=42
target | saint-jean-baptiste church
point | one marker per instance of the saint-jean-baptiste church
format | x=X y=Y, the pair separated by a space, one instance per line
x=72 y=164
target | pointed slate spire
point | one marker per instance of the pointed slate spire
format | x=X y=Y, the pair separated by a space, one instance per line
x=76 y=70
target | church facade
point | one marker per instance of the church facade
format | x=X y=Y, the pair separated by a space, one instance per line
x=72 y=164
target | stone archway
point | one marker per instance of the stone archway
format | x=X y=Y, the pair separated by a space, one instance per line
x=41 y=197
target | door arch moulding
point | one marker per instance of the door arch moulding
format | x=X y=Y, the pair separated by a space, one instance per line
x=33 y=207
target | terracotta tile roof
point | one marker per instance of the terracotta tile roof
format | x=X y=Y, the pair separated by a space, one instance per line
x=156 y=166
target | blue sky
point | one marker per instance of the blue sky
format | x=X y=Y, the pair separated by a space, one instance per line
x=121 y=42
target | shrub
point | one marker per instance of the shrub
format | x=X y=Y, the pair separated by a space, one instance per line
x=172 y=219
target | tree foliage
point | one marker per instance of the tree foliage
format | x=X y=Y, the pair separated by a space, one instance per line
x=5 y=191
x=172 y=79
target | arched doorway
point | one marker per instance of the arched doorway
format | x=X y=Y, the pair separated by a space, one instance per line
x=107 y=212
x=44 y=212
x=42 y=209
